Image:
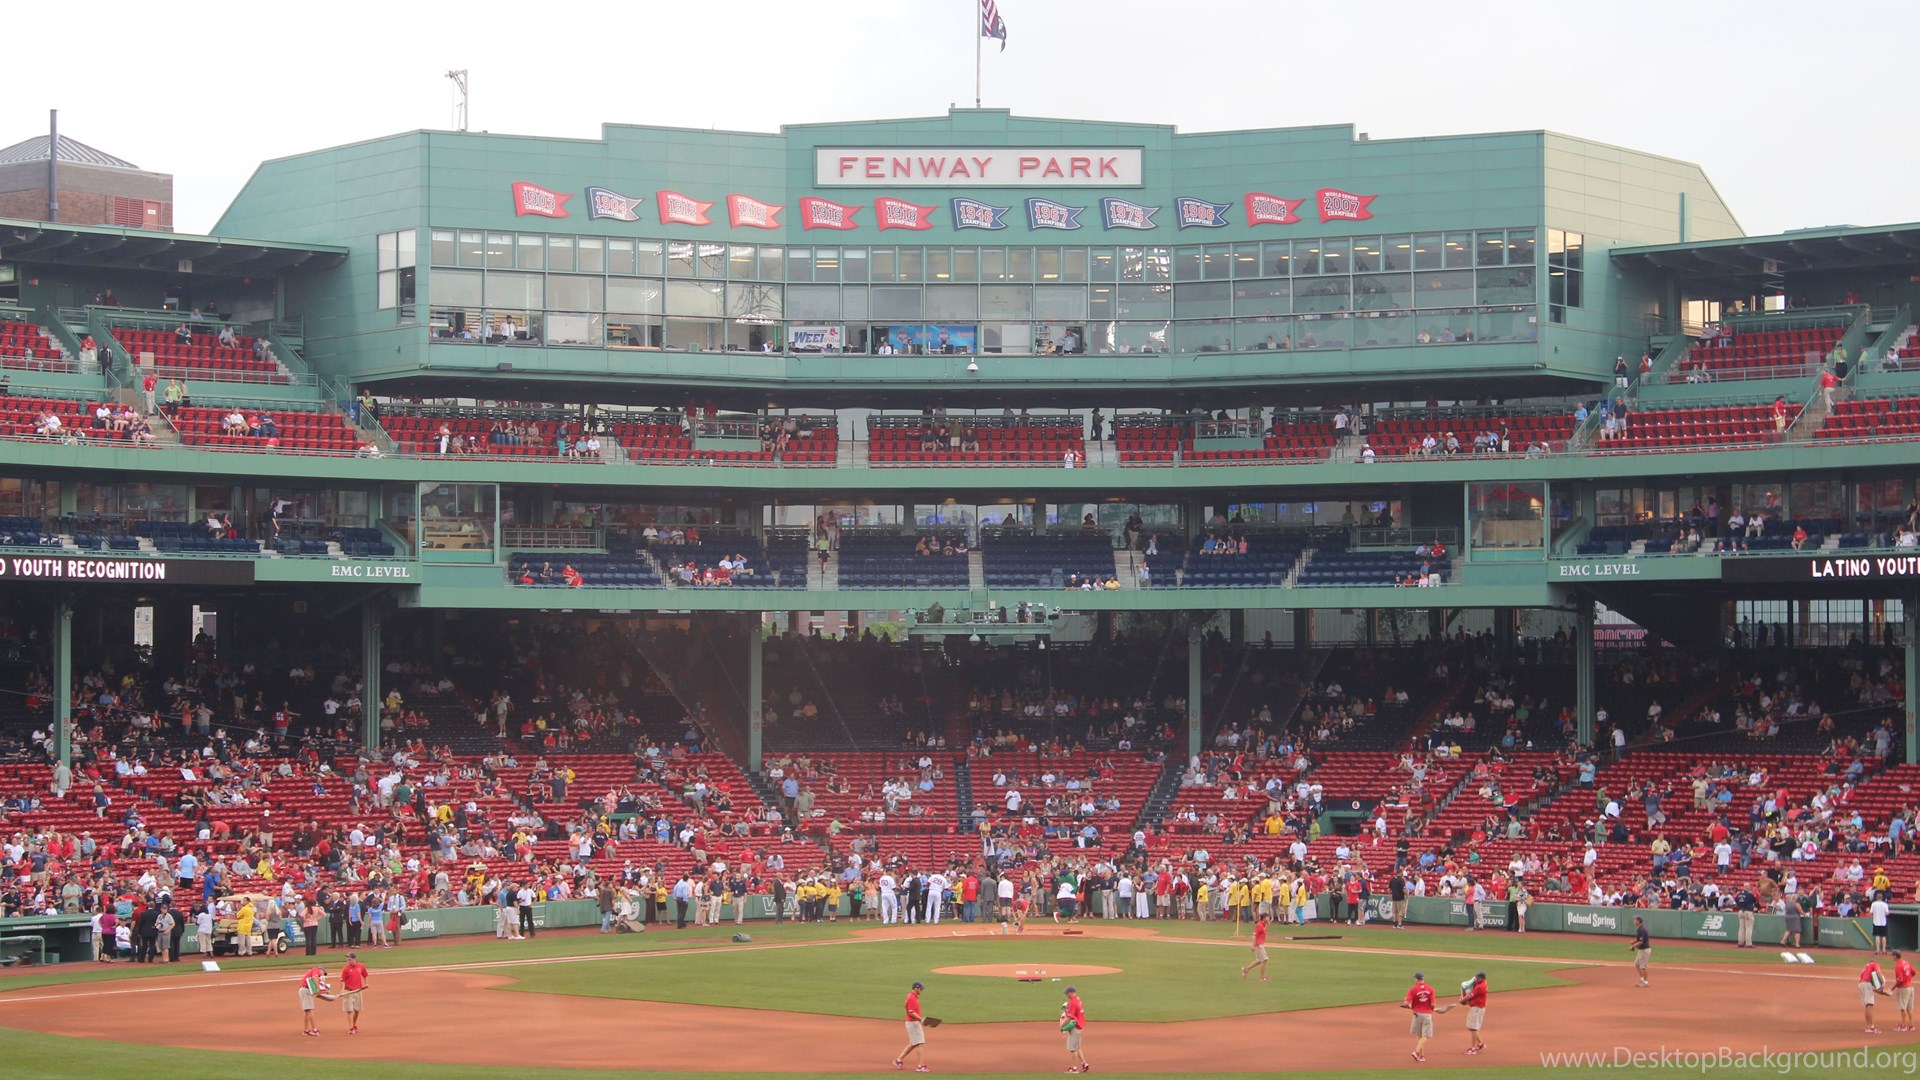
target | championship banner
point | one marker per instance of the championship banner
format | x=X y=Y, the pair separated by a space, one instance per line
x=538 y=201
x=1121 y=214
x=818 y=213
x=1264 y=209
x=678 y=209
x=744 y=212
x=1199 y=213
x=1047 y=214
x=606 y=203
x=974 y=214
x=900 y=214
x=1337 y=205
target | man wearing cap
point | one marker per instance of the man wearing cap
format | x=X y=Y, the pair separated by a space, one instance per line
x=1474 y=997
x=312 y=984
x=1073 y=1021
x=916 y=1033
x=1419 y=1000
x=353 y=978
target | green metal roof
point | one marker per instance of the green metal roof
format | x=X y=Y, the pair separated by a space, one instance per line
x=1745 y=258
x=22 y=240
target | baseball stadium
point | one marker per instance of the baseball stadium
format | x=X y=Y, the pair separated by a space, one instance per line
x=1098 y=596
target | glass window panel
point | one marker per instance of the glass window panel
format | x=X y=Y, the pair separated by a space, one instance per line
x=881 y=264
x=1246 y=260
x=1059 y=303
x=1446 y=289
x=575 y=293
x=1202 y=300
x=813 y=302
x=1276 y=258
x=1073 y=264
x=472 y=250
x=826 y=264
x=456 y=288
x=680 y=258
x=387 y=248
x=743 y=263
x=1366 y=254
x=499 y=251
x=1046 y=264
x=700 y=298
x=1020 y=264
x=404 y=255
x=590 y=255
x=443 y=250
x=575 y=328
x=1323 y=294
x=1320 y=331
x=997 y=301
x=1216 y=262
x=709 y=260
x=619 y=256
x=1373 y=329
x=647 y=258
x=1490 y=248
x=1306 y=258
x=1335 y=255
x=1186 y=263
x=853 y=264
x=695 y=335
x=1144 y=301
x=1458 y=250
x=1100 y=302
x=895 y=302
x=1513 y=284
x=1375 y=292
x=953 y=303
x=1156 y=264
x=1263 y=334
x=799 y=264
x=559 y=252
x=1507 y=514
x=770 y=260
x=1520 y=247
x=1506 y=324
x=966 y=264
x=1138 y=337
x=908 y=265
x=387 y=291
x=754 y=303
x=1262 y=296
x=1443 y=327
x=1201 y=335
x=639 y=296
x=1427 y=248
x=993 y=264
x=515 y=291
x=1105 y=264
x=939 y=266
x=1396 y=253
x=853 y=302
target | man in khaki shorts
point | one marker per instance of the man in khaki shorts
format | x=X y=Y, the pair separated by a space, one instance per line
x=353 y=979
x=916 y=1033
x=1474 y=997
x=1642 y=949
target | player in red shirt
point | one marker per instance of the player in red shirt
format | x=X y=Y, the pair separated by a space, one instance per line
x=1871 y=984
x=1259 y=948
x=1073 y=1021
x=916 y=1033
x=1903 y=990
x=1420 y=1000
x=1474 y=997
x=312 y=985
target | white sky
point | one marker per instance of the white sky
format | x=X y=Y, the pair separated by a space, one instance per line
x=1794 y=110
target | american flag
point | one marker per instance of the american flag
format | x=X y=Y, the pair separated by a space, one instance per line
x=991 y=24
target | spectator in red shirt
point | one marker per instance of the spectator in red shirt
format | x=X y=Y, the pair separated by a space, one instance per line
x=1903 y=990
x=1419 y=999
x=1259 y=949
x=1474 y=997
x=353 y=978
x=916 y=1033
x=1869 y=986
x=1073 y=1021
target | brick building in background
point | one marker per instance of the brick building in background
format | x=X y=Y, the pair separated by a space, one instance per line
x=95 y=188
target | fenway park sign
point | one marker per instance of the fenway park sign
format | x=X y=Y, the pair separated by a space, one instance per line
x=977 y=166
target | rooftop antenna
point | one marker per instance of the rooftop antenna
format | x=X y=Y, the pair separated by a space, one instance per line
x=459 y=107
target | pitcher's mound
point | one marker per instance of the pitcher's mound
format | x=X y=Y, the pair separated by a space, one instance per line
x=1028 y=972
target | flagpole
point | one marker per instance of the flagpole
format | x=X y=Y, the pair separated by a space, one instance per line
x=979 y=25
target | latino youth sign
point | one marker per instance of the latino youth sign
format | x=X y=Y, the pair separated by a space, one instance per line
x=1830 y=571
x=90 y=570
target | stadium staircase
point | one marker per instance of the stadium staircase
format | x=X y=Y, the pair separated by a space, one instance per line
x=963 y=786
x=1166 y=788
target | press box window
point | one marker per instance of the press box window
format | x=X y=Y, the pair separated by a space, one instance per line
x=395 y=269
x=1565 y=270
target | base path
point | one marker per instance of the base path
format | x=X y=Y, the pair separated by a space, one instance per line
x=457 y=1016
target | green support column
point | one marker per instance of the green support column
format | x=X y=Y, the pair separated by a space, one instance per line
x=1195 y=714
x=1910 y=625
x=370 y=619
x=756 y=656
x=1583 y=670
x=63 y=680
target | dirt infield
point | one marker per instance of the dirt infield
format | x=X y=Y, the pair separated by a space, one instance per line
x=446 y=1015
x=1028 y=971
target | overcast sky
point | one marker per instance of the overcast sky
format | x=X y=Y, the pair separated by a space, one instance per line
x=1799 y=119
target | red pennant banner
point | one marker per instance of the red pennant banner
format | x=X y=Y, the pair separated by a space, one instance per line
x=818 y=213
x=745 y=212
x=901 y=214
x=1337 y=205
x=683 y=209
x=1264 y=209
x=538 y=201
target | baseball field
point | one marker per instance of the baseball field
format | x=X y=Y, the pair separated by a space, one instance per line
x=1163 y=1000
